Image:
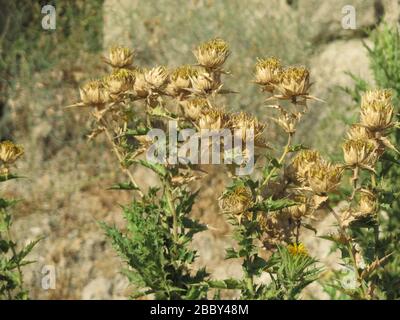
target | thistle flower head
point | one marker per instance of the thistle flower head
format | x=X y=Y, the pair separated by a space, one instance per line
x=120 y=81
x=323 y=177
x=294 y=81
x=203 y=83
x=358 y=131
x=236 y=201
x=94 y=93
x=156 y=77
x=368 y=203
x=212 y=119
x=296 y=249
x=360 y=152
x=242 y=122
x=120 y=57
x=302 y=162
x=377 y=110
x=268 y=72
x=10 y=152
x=212 y=54
x=180 y=79
x=195 y=107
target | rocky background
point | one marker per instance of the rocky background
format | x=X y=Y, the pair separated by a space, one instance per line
x=65 y=193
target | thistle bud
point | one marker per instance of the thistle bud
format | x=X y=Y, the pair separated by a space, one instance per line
x=120 y=81
x=180 y=79
x=212 y=54
x=212 y=119
x=236 y=201
x=204 y=84
x=156 y=77
x=242 y=122
x=195 y=107
x=302 y=161
x=357 y=132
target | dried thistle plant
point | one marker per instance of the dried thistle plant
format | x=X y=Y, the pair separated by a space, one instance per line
x=268 y=211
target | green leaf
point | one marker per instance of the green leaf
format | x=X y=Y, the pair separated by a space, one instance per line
x=225 y=284
x=274 y=205
x=4 y=203
x=156 y=167
x=298 y=147
x=123 y=186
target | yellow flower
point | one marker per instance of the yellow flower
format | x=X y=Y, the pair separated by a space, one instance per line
x=268 y=72
x=94 y=93
x=361 y=152
x=10 y=152
x=377 y=110
x=297 y=249
x=212 y=54
x=120 y=57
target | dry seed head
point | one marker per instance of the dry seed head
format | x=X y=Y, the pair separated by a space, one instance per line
x=212 y=54
x=180 y=79
x=300 y=210
x=10 y=152
x=323 y=177
x=297 y=249
x=358 y=131
x=203 y=83
x=94 y=93
x=120 y=57
x=236 y=201
x=302 y=162
x=287 y=122
x=294 y=81
x=242 y=121
x=120 y=81
x=212 y=119
x=156 y=77
x=360 y=152
x=368 y=203
x=377 y=110
x=195 y=107
x=268 y=72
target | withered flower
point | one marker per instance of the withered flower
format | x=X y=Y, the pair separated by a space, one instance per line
x=204 y=84
x=212 y=54
x=212 y=119
x=120 y=57
x=302 y=162
x=357 y=132
x=242 y=122
x=156 y=77
x=119 y=81
x=361 y=153
x=94 y=93
x=180 y=79
x=323 y=177
x=195 y=107
x=236 y=201
x=268 y=72
x=377 y=110
x=294 y=82
x=10 y=152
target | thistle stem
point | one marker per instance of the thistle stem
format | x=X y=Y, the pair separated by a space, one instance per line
x=120 y=158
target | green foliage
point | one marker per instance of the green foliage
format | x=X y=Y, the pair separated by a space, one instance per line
x=384 y=56
x=155 y=244
x=12 y=258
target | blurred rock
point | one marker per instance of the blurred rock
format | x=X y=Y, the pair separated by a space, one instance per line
x=99 y=288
